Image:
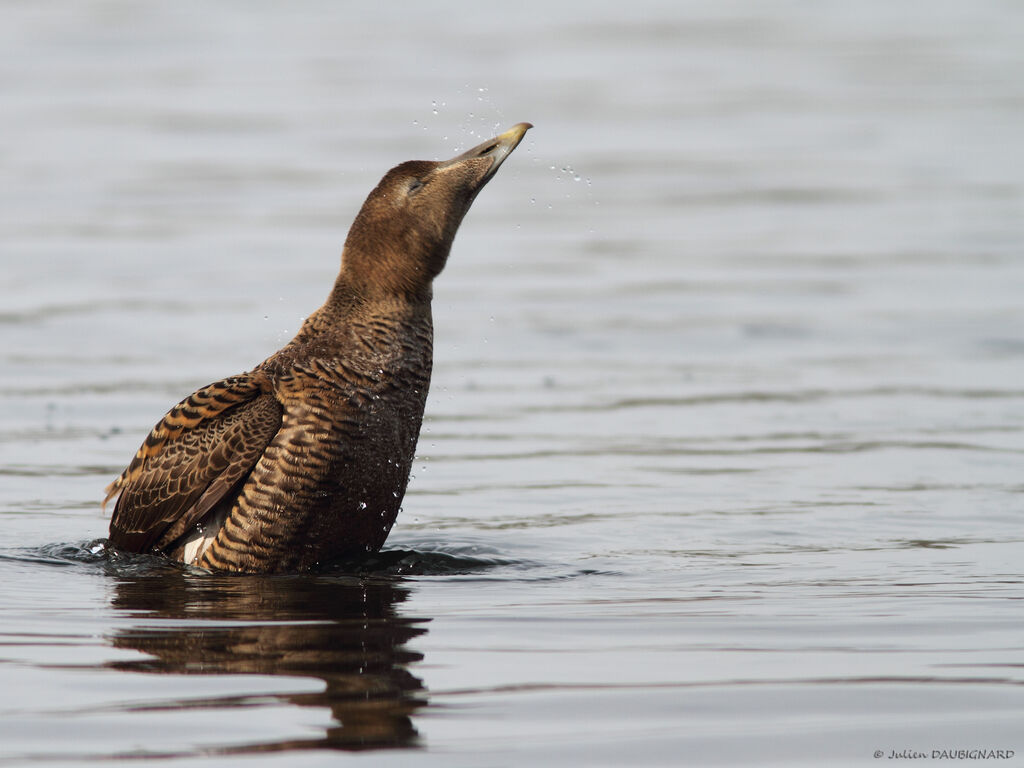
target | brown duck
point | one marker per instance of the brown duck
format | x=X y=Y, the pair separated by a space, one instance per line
x=307 y=456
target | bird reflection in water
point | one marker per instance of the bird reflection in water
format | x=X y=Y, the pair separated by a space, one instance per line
x=344 y=630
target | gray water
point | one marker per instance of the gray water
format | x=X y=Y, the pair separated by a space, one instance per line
x=722 y=458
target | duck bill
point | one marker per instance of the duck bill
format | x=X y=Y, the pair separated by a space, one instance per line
x=496 y=149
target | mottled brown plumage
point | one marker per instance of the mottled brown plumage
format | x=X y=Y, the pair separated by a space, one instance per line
x=306 y=457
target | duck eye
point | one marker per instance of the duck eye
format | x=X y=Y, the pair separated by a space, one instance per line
x=414 y=186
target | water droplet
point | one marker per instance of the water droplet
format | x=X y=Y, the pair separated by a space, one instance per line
x=415 y=122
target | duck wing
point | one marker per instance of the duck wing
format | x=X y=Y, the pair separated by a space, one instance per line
x=197 y=453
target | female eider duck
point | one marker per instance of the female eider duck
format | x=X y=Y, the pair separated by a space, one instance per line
x=307 y=456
